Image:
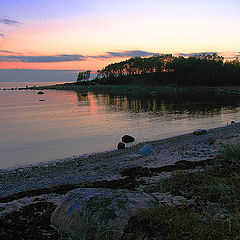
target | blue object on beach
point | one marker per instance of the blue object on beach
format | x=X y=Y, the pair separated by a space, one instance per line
x=145 y=150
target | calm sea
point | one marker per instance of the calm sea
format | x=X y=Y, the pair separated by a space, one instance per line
x=68 y=123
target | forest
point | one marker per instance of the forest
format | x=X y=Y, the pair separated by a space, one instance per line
x=201 y=70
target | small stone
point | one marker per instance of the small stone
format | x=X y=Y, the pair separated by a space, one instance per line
x=199 y=132
x=40 y=92
x=121 y=145
x=205 y=149
x=154 y=93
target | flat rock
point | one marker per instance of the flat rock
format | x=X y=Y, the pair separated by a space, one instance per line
x=199 y=132
x=170 y=200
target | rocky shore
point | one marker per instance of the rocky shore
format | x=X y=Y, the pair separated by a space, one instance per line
x=24 y=188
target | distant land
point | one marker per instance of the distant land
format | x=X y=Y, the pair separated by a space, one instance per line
x=36 y=75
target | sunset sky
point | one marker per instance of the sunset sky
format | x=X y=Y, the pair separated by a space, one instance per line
x=82 y=35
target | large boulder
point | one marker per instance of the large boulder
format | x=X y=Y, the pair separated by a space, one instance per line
x=128 y=139
x=91 y=212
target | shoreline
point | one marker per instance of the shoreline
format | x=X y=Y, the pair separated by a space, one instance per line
x=107 y=166
x=134 y=89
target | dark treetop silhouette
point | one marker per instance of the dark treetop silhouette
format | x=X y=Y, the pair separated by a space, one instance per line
x=201 y=70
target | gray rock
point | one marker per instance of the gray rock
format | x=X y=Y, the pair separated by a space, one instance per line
x=199 y=132
x=170 y=200
x=121 y=145
x=40 y=92
x=90 y=212
x=128 y=139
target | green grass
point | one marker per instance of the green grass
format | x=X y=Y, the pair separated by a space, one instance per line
x=216 y=193
x=175 y=223
x=231 y=153
x=99 y=235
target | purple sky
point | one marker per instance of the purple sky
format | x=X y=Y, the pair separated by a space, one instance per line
x=81 y=35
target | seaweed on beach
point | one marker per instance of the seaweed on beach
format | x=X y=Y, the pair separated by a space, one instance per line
x=31 y=222
x=212 y=187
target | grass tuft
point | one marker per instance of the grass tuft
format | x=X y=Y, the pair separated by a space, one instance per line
x=231 y=153
x=175 y=223
x=216 y=193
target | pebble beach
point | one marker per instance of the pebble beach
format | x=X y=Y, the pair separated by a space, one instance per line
x=108 y=165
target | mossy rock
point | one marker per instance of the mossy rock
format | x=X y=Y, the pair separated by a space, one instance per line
x=91 y=212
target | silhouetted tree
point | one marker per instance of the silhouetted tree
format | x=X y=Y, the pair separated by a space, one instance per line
x=205 y=69
x=83 y=76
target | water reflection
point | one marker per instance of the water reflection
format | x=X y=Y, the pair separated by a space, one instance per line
x=200 y=104
x=70 y=123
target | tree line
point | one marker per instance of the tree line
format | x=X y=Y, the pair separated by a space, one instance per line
x=168 y=69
